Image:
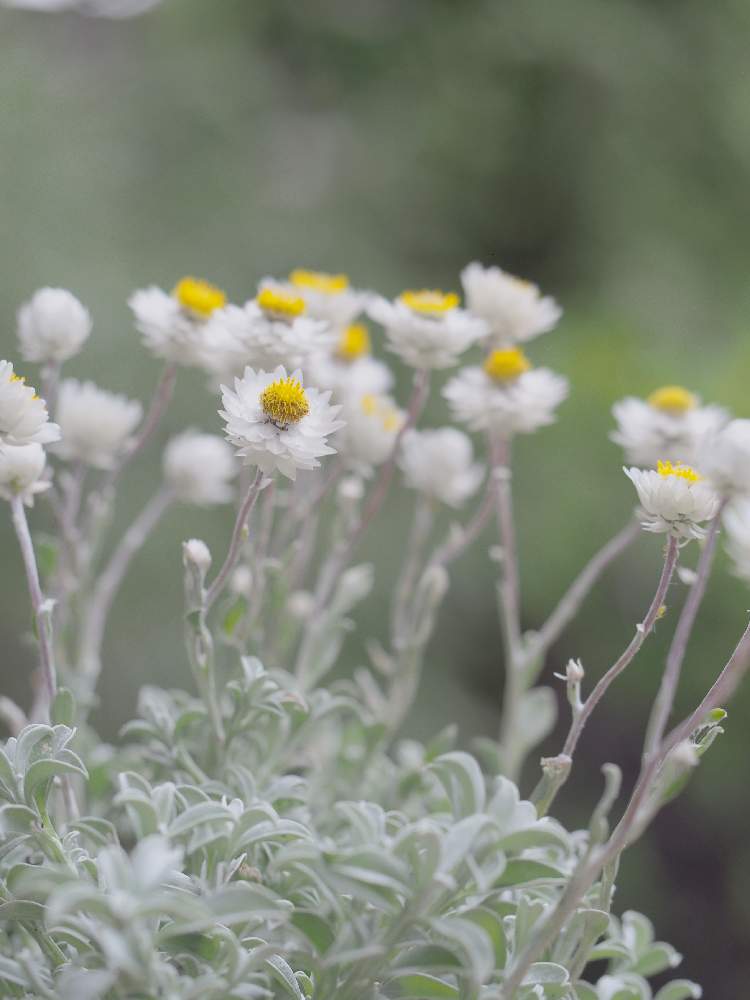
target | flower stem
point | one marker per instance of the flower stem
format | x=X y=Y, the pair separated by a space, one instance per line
x=238 y=538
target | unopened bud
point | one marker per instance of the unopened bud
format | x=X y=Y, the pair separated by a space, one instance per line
x=242 y=580
x=574 y=672
x=351 y=489
x=197 y=553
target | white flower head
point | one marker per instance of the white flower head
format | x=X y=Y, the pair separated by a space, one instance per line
x=199 y=468
x=52 y=326
x=329 y=297
x=670 y=425
x=513 y=309
x=23 y=414
x=276 y=423
x=737 y=536
x=505 y=395
x=22 y=472
x=174 y=325
x=372 y=425
x=725 y=459
x=427 y=329
x=269 y=330
x=440 y=463
x=350 y=371
x=674 y=499
x=96 y=424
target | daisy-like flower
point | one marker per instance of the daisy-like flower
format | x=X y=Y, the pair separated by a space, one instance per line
x=52 y=326
x=674 y=499
x=96 y=424
x=514 y=309
x=22 y=471
x=505 y=394
x=427 y=329
x=174 y=325
x=372 y=424
x=440 y=463
x=23 y=414
x=270 y=330
x=199 y=468
x=276 y=423
x=350 y=370
x=329 y=297
x=669 y=424
x=725 y=459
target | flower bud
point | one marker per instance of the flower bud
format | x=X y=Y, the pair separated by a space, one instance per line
x=197 y=552
x=52 y=326
x=21 y=472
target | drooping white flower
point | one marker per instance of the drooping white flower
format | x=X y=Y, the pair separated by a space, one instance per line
x=372 y=423
x=277 y=424
x=350 y=371
x=440 y=463
x=21 y=472
x=329 y=297
x=670 y=425
x=427 y=329
x=266 y=332
x=174 y=325
x=736 y=519
x=96 y=424
x=514 y=309
x=505 y=395
x=52 y=326
x=199 y=468
x=23 y=414
x=674 y=499
x=725 y=459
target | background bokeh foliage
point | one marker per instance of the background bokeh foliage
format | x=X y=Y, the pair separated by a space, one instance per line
x=600 y=148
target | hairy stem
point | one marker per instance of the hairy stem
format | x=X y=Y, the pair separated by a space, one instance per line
x=238 y=539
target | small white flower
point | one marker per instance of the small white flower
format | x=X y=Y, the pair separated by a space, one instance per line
x=196 y=551
x=350 y=371
x=514 y=309
x=23 y=414
x=505 y=395
x=277 y=424
x=52 y=326
x=266 y=332
x=96 y=424
x=725 y=459
x=737 y=536
x=674 y=499
x=174 y=326
x=670 y=425
x=199 y=468
x=440 y=463
x=329 y=297
x=426 y=328
x=372 y=424
x=21 y=472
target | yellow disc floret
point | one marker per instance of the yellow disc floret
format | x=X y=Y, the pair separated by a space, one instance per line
x=280 y=304
x=319 y=281
x=506 y=364
x=284 y=401
x=431 y=302
x=678 y=470
x=18 y=378
x=198 y=296
x=354 y=342
x=382 y=408
x=672 y=399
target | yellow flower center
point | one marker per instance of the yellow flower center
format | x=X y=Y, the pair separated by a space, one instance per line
x=678 y=470
x=507 y=364
x=198 y=296
x=432 y=302
x=380 y=407
x=319 y=281
x=280 y=304
x=672 y=399
x=284 y=402
x=18 y=378
x=354 y=342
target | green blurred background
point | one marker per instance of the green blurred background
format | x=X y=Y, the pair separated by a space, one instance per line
x=602 y=149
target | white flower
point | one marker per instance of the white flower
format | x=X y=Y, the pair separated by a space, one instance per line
x=195 y=551
x=276 y=423
x=21 y=471
x=725 y=458
x=513 y=309
x=674 y=499
x=199 y=468
x=505 y=395
x=268 y=331
x=670 y=425
x=97 y=8
x=365 y=376
x=372 y=424
x=440 y=463
x=96 y=424
x=52 y=326
x=174 y=326
x=737 y=536
x=23 y=415
x=427 y=329
x=329 y=297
